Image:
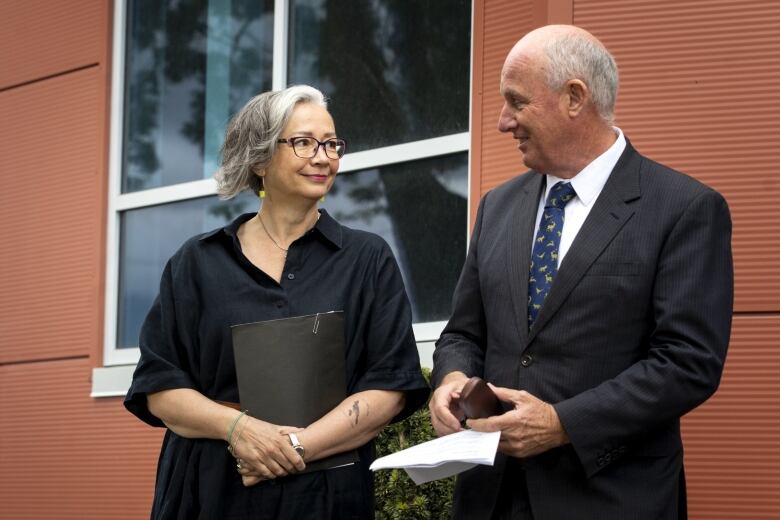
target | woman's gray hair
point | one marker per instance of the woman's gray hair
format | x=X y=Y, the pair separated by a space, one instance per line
x=250 y=139
x=577 y=57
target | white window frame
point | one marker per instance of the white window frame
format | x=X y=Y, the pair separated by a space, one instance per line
x=114 y=377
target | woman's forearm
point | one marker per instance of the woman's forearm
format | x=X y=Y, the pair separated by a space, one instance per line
x=355 y=421
x=260 y=446
x=190 y=414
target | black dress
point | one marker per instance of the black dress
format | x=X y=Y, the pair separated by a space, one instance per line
x=209 y=285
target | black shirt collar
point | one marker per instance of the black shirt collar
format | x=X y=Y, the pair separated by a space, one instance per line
x=326 y=228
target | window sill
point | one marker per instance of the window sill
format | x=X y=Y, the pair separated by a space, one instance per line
x=111 y=381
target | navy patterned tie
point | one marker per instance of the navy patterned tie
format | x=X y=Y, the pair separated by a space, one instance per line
x=544 y=259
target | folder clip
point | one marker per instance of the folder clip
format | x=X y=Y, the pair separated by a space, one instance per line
x=316 y=323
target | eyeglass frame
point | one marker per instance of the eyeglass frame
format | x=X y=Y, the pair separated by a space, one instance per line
x=291 y=141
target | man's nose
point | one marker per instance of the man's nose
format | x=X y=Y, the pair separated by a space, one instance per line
x=505 y=120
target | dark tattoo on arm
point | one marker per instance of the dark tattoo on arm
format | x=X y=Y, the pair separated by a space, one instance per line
x=355 y=410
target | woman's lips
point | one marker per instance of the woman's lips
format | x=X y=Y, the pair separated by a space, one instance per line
x=316 y=178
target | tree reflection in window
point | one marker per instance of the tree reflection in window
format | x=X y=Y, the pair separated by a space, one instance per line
x=419 y=208
x=175 y=49
x=396 y=71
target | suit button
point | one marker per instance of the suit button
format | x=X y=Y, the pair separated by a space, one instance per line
x=527 y=360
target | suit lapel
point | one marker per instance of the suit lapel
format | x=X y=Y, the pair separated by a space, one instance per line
x=519 y=250
x=610 y=212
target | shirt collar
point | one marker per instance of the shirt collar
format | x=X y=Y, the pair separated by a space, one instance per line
x=589 y=182
x=329 y=229
x=326 y=227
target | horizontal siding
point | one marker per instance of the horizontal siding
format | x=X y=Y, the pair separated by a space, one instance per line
x=52 y=209
x=731 y=449
x=505 y=22
x=697 y=81
x=40 y=38
x=66 y=456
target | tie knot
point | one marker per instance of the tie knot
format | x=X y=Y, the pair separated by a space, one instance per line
x=560 y=195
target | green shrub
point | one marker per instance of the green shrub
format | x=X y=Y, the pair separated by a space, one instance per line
x=397 y=496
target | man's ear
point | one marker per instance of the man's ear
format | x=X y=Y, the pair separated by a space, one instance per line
x=577 y=94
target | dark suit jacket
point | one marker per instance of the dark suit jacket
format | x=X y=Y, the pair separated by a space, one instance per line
x=633 y=335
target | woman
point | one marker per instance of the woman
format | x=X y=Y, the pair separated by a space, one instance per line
x=288 y=259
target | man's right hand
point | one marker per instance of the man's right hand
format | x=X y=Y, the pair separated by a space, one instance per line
x=445 y=412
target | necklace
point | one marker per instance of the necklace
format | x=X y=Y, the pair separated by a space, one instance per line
x=260 y=218
x=269 y=236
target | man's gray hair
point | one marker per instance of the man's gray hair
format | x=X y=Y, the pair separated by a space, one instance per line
x=577 y=57
x=250 y=139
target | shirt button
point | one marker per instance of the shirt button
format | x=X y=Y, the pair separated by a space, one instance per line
x=280 y=303
x=527 y=360
x=290 y=276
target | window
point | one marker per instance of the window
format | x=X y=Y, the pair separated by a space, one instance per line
x=397 y=76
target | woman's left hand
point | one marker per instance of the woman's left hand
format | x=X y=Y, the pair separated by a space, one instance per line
x=262 y=449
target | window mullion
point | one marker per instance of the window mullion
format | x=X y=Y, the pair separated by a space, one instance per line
x=166 y=194
x=279 y=77
x=415 y=150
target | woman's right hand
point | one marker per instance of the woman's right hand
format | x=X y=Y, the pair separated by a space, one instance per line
x=265 y=451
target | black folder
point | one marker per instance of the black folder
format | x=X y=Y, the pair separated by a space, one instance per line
x=291 y=372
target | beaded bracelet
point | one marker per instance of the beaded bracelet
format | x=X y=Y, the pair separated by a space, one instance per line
x=232 y=427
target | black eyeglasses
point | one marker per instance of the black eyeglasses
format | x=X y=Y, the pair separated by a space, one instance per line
x=307 y=147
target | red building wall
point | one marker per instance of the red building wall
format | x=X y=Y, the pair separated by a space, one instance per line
x=62 y=453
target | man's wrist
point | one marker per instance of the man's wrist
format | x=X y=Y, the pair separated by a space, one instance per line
x=556 y=428
x=454 y=377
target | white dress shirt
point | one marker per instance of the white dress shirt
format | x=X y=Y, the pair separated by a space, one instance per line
x=588 y=184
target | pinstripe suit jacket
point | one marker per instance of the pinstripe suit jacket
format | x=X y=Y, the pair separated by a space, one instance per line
x=633 y=335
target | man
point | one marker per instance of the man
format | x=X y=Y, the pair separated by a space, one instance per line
x=600 y=308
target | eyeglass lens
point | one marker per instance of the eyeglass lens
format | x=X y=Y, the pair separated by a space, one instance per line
x=307 y=147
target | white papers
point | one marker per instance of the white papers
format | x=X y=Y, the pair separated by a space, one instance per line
x=443 y=457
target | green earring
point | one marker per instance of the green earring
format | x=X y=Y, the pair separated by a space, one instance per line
x=261 y=193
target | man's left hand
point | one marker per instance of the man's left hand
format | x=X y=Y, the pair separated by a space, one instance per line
x=532 y=427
